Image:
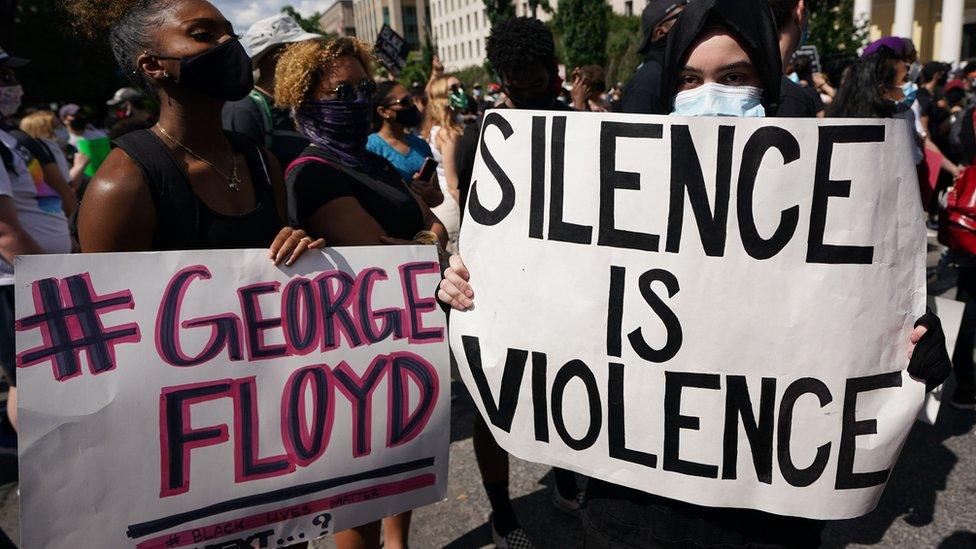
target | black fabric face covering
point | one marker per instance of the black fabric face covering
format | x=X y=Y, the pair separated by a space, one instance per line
x=222 y=72
x=408 y=117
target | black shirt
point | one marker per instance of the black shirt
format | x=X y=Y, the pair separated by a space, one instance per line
x=642 y=94
x=795 y=102
x=249 y=117
x=36 y=148
x=379 y=190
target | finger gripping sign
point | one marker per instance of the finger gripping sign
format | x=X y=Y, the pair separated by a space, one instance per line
x=213 y=400
x=712 y=310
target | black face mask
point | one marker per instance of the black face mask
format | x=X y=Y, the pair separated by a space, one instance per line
x=222 y=72
x=78 y=124
x=944 y=80
x=542 y=102
x=408 y=117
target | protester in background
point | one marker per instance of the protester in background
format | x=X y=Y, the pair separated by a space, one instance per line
x=589 y=85
x=184 y=184
x=257 y=116
x=823 y=86
x=85 y=138
x=31 y=217
x=522 y=52
x=803 y=75
x=54 y=194
x=339 y=190
x=933 y=111
x=872 y=88
x=642 y=94
x=442 y=129
x=727 y=49
x=129 y=104
x=793 y=24
x=42 y=125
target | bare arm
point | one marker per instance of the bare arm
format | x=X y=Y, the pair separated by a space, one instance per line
x=14 y=241
x=447 y=145
x=53 y=177
x=117 y=214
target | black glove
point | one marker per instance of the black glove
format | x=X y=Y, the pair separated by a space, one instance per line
x=930 y=361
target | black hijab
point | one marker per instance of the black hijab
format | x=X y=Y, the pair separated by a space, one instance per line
x=750 y=21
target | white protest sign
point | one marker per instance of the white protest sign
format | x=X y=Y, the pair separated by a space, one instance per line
x=713 y=310
x=211 y=400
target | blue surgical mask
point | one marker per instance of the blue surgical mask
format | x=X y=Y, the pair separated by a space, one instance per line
x=910 y=89
x=795 y=78
x=720 y=100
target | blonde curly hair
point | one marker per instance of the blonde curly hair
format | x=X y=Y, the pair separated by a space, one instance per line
x=303 y=66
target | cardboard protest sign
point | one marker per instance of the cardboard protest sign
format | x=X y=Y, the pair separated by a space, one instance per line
x=210 y=399
x=391 y=49
x=813 y=53
x=714 y=310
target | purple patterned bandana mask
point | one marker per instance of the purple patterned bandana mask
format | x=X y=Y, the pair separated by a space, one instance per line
x=338 y=127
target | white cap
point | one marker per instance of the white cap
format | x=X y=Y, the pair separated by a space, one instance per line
x=124 y=94
x=273 y=31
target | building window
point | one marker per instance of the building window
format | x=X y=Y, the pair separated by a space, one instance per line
x=478 y=44
x=467 y=20
x=629 y=7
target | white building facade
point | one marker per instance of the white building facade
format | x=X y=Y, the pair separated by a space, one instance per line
x=943 y=30
x=460 y=27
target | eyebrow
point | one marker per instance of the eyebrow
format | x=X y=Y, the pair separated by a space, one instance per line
x=729 y=67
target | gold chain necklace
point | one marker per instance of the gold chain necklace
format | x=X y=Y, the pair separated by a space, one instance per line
x=234 y=181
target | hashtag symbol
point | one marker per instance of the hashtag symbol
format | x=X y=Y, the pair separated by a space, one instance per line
x=68 y=314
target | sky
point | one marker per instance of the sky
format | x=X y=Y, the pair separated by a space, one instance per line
x=242 y=13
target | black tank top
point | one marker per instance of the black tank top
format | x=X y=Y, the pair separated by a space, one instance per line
x=183 y=221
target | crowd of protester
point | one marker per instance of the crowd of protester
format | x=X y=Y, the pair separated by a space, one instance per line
x=285 y=140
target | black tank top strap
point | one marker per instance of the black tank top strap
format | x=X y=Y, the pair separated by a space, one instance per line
x=177 y=207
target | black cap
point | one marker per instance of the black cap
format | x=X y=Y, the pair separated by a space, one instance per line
x=11 y=62
x=932 y=67
x=654 y=13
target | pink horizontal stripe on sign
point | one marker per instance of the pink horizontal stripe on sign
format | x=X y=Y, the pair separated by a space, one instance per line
x=184 y=538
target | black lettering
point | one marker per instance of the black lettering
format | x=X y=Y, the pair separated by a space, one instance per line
x=615 y=310
x=759 y=143
x=846 y=477
x=616 y=425
x=686 y=173
x=824 y=188
x=760 y=433
x=479 y=213
x=611 y=180
x=667 y=316
x=674 y=422
x=800 y=477
x=577 y=369
x=539 y=400
x=537 y=194
x=560 y=230
x=501 y=413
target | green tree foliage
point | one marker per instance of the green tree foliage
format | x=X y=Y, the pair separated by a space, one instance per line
x=536 y=5
x=583 y=25
x=623 y=39
x=308 y=24
x=835 y=33
x=417 y=70
x=64 y=66
x=499 y=10
x=475 y=74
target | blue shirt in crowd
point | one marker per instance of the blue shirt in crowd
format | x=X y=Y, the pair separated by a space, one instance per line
x=408 y=164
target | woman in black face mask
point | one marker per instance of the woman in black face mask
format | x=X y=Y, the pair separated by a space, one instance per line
x=394 y=115
x=184 y=183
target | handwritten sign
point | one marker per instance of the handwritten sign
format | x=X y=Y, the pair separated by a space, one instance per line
x=391 y=49
x=712 y=310
x=210 y=399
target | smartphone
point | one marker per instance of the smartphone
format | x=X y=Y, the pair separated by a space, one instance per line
x=428 y=170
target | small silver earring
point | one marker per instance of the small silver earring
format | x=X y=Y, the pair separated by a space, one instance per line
x=165 y=75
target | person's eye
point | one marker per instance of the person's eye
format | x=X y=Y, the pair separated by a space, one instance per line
x=734 y=79
x=688 y=81
x=203 y=36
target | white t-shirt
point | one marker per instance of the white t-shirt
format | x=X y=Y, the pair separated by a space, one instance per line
x=38 y=206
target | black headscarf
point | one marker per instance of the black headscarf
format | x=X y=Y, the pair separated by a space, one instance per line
x=751 y=21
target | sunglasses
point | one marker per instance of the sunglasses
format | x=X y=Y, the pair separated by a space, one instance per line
x=404 y=101
x=348 y=92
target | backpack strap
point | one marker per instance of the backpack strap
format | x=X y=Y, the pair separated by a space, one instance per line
x=267 y=122
x=305 y=159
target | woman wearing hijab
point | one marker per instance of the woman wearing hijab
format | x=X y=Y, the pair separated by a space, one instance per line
x=722 y=59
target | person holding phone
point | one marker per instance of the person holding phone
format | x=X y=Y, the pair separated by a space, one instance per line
x=394 y=114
